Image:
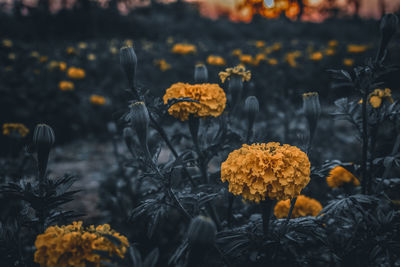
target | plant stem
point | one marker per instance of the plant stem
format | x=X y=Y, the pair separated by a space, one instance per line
x=364 y=171
x=230 y=205
x=266 y=210
x=292 y=204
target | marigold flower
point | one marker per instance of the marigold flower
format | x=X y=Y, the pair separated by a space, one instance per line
x=259 y=44
x=330 y=52
x=97 y=100
x=82 y=45
x=76 y=73
x=239 y=70
x=348 y=62
x=339 y=176
x=91 y=57
x=74 y=245
x=62 y=66
x=272 y=61
x=353 y=48
x=114 y=50
x=184 y=49
x=378 y=95
x=11 y=56
x=333 y=43
x=71 y=50
x=162 y=64
x=291 y=58
x=316 y=56
x=304 y=206
x=9 y=128
x=268 y=170
x=7 y=43
x=237 y=52
x=43 y=59
x=66 y=86
x=211 y=97
x=34 y=54
x=216 y=60
x=246 y=59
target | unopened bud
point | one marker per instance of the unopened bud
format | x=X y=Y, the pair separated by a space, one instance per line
x=43 y=139
x=202 y=232
x=235 y=88
x=312 y=110
x=388 y=28
x=140 y=119
x=251 y=108
x=200 y=73
x=128 y=62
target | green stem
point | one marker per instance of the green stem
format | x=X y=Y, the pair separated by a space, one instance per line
x=292 y=204
x=364 y=171
x=266 y=210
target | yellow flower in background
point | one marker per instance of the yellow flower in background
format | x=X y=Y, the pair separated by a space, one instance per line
x=7 y=43
x=43 y=59
x=10 y=128
x=8 y=68
x=63 y=66
x=211 y=98
x=128 y=42
x=378 y=95
x=184 y=49
x=339 y=176
x=268 y=170
x=91 y=57
x=216 y=60
x=82 y=45
x=246 y=59
x=71 y=50
x=170 y=40
x=291 y=57
x=76 y=73
x=66 y=86
x=97 y=100
x=333 y=43
x=162 y=64
x=260 y=44
x=348 y=62
x=114 y=50
x=272 y=61
x=304 y=206
x=276 y=47
x=11 y=56
x=237 y=52
x=316 y=56
x=330 y=52
x=239 y=70
x=34 y=54
x=353 y=48
x=74 y=245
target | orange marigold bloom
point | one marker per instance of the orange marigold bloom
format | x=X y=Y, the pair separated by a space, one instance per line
x=76 y=73
x=62 y=66
x=348 y=62
x=9 y=128
x=7 y=43
x=211 y=97
x=238 y=70
x=378 y=95
x=162 y=64
x=97 y=100
x=268 y=170
x=353 y=48
x=184 y=49
x=66 y=86
x=259 y=44
x=71 y=50
x=291 y=58
x=237 y=52
x=216 y=60
x=74 y=245
x=333 y=43
x=304 y=206
x=272 y=61
x=316 y=56
x=338 y=176
x=330 y=52
x=246 y=59
x=43 y=59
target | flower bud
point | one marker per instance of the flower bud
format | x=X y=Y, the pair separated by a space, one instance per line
x=140 y=119
x=251 y=107
x=202 y=232
x=43 y=139
x=128 y=62
x=235 y=88
x=312 y=110
x=200 y=73
x=388 y=28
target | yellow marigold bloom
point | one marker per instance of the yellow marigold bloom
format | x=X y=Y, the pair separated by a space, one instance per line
x=268 y=170
x=35 y=54
x=82 y=45
x=74 y=245
x=91 y=57
x=246 y=59
x=162 y=64
x=378 y=95
x=7 y=43
x=211 y=97
x=76 y=73
x=338 y=176
x=62 y=66
x=43 y=59
x=237 y=52
x=114 y=50
x=272 y=61
x=216 y=60
x=8 y=68
x=291 y=57
x=238 y=70
x=348 y=62
x=260 y=44
x=184 y=49
x=276 y=47
x=128 y=42
x=304 y=206
x=316 y=56
x=170 y=40
x=353 y=48
x=66 y=86
x=333 y=43
x=71 y=50
x=9 y=128
x=258 y=58
x=97 y=100
x=11 y=56
x=330 y=52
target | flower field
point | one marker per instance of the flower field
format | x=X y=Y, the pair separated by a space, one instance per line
x=269 y=143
